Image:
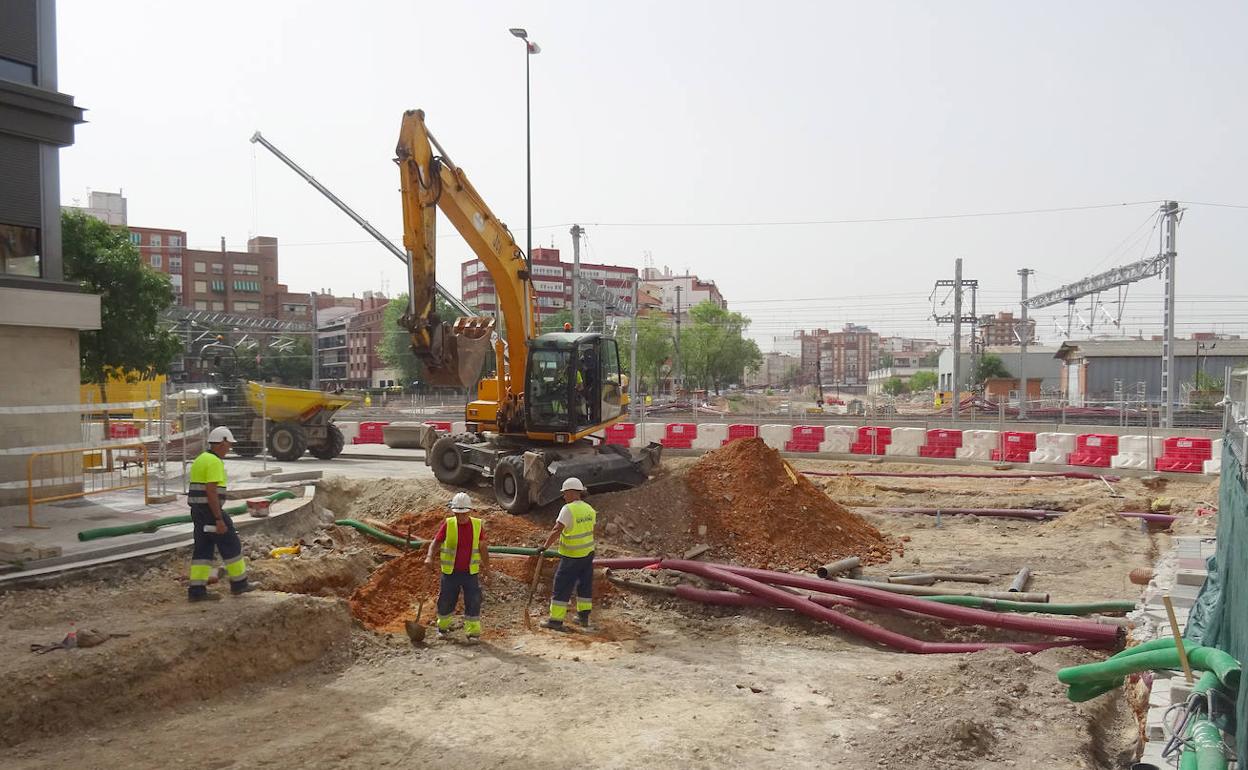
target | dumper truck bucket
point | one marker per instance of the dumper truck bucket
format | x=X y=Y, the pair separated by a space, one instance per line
x=459 y=353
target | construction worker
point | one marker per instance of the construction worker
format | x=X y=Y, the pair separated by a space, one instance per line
x=574 y=529
x=464 y=557
x=213 y=529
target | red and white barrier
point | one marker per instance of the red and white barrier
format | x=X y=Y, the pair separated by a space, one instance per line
x=775 y=436
x=1015 y=446
x=1213 y=465
x=1184 y=454
x=1136 y=452
x=620 y=434
x=741 y=430
x=872 y=440
x=838 y=438
x=941 y=442
x=711 y=435
x=977 y=445
x=1094 y=450
x=370 y=433
x=906 y=442
x=679 y=435
x=652 y=433
x=805 y=438
x=1052 y=448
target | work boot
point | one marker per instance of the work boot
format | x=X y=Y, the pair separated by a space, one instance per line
x=553 y=625
x=205 y=597
x=444 y=633
x=582 y=617
x=246 y=589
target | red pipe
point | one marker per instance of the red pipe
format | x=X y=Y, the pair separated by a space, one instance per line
x=860 y=628
x=732 y=599
x=967 y=475
x=627 y=562
x=1072 y=628
x=1015 y=513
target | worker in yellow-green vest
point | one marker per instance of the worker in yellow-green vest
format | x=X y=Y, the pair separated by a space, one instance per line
x=213 y=529
x=463 y=558
x=574 y=529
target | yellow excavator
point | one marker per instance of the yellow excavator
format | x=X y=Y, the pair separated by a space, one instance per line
x=539 y=417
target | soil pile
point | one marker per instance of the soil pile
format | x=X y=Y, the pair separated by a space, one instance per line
x=499 y=528
x=1100 y=514
x=756 y=506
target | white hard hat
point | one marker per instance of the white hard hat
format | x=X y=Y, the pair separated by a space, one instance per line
x=573 y=483
x=461 y=502
x=219 y=434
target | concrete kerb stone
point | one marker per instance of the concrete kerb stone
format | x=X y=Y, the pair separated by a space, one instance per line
x=286 y=518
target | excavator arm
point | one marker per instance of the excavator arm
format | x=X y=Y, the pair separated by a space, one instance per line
x=453 y=352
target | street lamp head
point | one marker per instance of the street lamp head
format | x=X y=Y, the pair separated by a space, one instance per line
x=533 y=47
x=520 y=32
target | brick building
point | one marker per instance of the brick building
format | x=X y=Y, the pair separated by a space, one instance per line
x=686 y=290
x=552 y=283
x=162 y=250
x=844 y=358
x=365 y=368
x=1000 y=330
x=237 y=282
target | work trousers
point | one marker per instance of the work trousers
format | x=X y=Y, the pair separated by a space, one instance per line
x=572 y=574
x=206 y=542
x=448 y=595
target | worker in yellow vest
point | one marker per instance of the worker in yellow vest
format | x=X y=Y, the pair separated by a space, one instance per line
x=213 y=529
x=574 y=529
x=463 y=558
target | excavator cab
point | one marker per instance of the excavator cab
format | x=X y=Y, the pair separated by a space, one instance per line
x=574 y=383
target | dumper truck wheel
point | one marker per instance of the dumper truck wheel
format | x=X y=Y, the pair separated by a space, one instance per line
x=287 y=441
x=448 y=463
x=334 y=442
x=511 y=488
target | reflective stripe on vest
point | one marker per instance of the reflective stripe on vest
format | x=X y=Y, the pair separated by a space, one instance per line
x=451 y=544
x=577 y=540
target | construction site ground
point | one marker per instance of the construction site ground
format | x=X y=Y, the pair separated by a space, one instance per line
x=320 y=673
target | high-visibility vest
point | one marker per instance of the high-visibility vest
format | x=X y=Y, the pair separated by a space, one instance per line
x=578 y=540
x=207 y=468
x=451 y=543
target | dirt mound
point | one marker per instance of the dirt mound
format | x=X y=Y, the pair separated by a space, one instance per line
x=391 y=595
x=324 y=575
x=380 y=498
x=757 y=506
x=1099 y=514
x=653 y=518
x=500 y=528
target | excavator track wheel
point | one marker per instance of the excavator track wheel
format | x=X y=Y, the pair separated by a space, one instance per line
x=511 y=488
x=448 y=462
x=287 y=441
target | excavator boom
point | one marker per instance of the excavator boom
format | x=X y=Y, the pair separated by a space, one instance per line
x=453 y=352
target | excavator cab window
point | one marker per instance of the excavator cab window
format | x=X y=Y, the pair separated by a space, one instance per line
x=574 y=382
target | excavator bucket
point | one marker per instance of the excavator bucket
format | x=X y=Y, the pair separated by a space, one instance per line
x=462 y=353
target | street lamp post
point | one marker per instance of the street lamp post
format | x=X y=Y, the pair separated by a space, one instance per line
x=530 y=48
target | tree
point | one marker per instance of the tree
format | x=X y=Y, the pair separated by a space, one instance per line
x=554 y=323
x=923 y=381
x=886 y=360
x=395 y=345
x=714 y=351
x=654 y=351
x=990 y=367
x=895 y=386
x=932 y=358
x=130 y=344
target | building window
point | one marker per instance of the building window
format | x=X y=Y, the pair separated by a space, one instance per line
x=218 y=306
x=246 y=307
x=19 y=251
x=154 y=240
x=218 y=268
x=156 y=261
x=246 y=268
x=218 y=285
x=175 y=264
x=201 y=304
x=136 y=238
x=201 y=267
x=246 y=286
x=201 y=287
x=18 y=72
x=175 y=241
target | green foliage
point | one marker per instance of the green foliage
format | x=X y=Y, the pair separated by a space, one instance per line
x=1204 y=381
x=895 y=386
x=130 y=343
x=714 y=351
x=395 y=347
x=292 y=366
x=654 y=352
x=886 y=360
x=931 y=359
x=555 y=322
x=990 y=367
x=923 y=381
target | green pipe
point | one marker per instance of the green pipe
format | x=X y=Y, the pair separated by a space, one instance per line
x=1078 y=693
x=166 y=521
x=1004 y=605
x=1202 y=658
x=399 y=542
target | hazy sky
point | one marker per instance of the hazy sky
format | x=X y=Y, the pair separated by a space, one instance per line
x=691 y=114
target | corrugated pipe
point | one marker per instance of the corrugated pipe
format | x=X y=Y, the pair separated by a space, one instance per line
x=234 y=509
x=914 y=590
x=1012 y=513
x=1202 y=658
x=1097 y=635
x=1001 y=605
x=399 y=542
x=954 y=475
x=857 y=627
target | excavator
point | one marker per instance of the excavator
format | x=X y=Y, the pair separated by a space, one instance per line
x=538 y=418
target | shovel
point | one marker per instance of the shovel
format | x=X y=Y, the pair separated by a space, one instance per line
x=537 y=576
x=415 y=629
